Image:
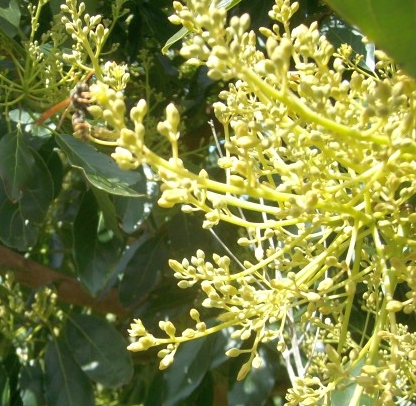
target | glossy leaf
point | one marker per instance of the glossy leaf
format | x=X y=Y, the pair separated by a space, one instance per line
x=222 y=342
x=9 y=17
x=143 y=270
x=65 y=382
x=16 y=165
x=182 y=33
x=228 y=4
x=96 y=258
x=126 y=212
x=184 y=230
x=257 y=385
x=192 y=362
x=108 y=210
x=152 y=14
x=100 y=350
x=344 y=395
x=99 y=168
x=338 y=32
x=14 y=231
x=132 y=211
x=54 y=163
x=390 y=24
x=26 y=192
x=31 y=385
x=4 y=386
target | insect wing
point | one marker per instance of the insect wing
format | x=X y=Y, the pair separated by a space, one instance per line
x=59 y=106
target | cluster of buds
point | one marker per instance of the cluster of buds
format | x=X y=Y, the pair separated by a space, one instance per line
x=320 y=173
x=147 y=340
x=89 y=33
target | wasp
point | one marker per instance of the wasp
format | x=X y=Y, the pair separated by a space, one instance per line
x=79 y=100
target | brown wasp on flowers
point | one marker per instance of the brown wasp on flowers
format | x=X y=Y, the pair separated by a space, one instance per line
x=79 y=100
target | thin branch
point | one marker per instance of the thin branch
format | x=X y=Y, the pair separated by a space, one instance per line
x=33 y=275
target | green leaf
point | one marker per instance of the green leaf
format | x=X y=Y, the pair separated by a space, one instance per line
x=126 y=212
x=16 y=164
x=108 y=210
x=26 y=192
x=343 y=396
x=152 y=16
x=337 y=32
x=9 y=17
x=4 y=386
x=256 y=386
x=31 y=385
x=65 y=382
x=99 y=168
x=390 y=24
x=192 y=362
x=143 y=270
x=54 y=163
x=184 y=230
x=100 y=350
x=175 y=38
x=132 y=211
x=96 y=258
x=15 y=232
x=228 y=4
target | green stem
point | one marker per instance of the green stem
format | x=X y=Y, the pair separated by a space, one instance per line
x=357 y=244
x=291 y=101
x=257 y=191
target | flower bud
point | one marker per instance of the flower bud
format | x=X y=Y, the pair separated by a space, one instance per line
x=172 y=116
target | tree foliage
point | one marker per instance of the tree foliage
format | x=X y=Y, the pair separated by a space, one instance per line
x=287 y=221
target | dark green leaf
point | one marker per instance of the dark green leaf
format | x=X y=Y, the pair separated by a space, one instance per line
x=10 y=363
x=184 y=230
x=152 y=14
x=96 y=257
x=90 y=6
x=31 y=385
x=55 y=167
x=132 y=211
x=4 y=386
x=16 y=165
x=65 y=382
x=192 y=362
x=14 y=231
x=256 y=386
x=390 y=24
x=125 y=212
x=337 y=33
x=166 y=301
x=100 y=350
x=9 y=17
x=39 y=193
x=222 y=342
x=25 y=193
x=108 y=210
x=143 y=270
x=99 y=168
